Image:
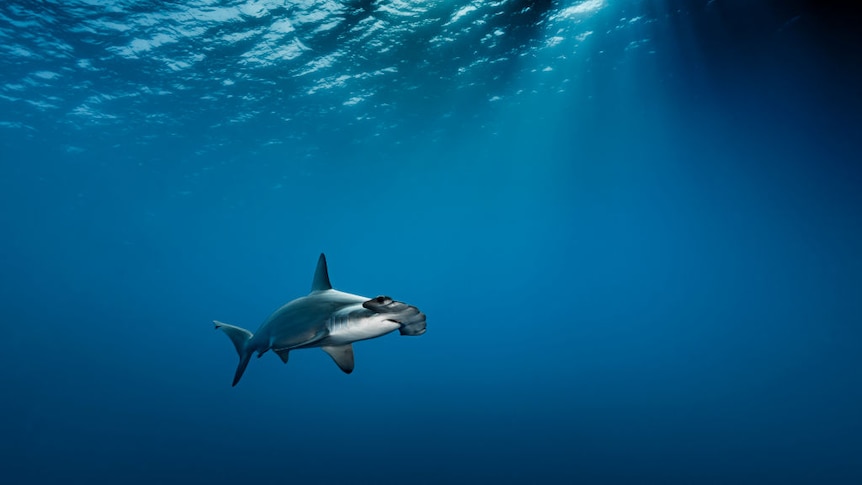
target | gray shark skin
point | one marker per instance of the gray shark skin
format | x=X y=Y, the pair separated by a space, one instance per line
x=325 y=318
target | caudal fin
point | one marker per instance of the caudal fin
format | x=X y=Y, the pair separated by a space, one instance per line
x=239 y=337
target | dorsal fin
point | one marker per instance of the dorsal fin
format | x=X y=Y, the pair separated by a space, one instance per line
x=321 y=276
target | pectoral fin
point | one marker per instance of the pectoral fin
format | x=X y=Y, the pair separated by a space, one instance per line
x=283 y=354
x=342 y=355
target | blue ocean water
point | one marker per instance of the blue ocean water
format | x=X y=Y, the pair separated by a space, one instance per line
x=634 y=226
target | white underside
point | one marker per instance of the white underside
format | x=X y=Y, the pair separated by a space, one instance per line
x=346 y=327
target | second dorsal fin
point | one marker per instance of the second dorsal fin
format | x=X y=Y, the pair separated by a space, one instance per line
x=321 y=276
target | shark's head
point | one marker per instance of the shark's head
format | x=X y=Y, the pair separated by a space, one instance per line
x=412 y=320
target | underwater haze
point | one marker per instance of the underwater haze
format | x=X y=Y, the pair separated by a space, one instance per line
x=635 y=227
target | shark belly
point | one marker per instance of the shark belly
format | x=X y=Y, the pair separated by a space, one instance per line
x=352 y=325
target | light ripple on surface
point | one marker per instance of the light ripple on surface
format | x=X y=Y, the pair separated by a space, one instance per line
x=75 y=55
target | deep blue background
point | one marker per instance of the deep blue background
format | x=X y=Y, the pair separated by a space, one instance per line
x=655 y=278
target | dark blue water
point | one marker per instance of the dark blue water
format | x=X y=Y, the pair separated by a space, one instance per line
x=634 y=227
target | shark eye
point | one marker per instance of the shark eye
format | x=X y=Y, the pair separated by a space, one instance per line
x=378 y=303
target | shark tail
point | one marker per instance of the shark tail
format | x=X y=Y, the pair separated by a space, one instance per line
x=240 y=338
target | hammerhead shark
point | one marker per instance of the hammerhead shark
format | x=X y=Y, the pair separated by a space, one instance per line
x=325 y=318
